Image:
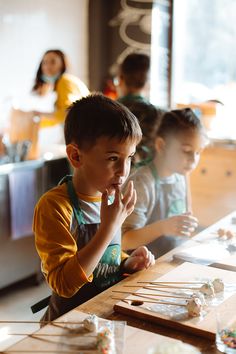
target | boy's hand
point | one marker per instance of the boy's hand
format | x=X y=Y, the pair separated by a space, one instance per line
x=139 y=259
x=114 y=214
x=179 y=225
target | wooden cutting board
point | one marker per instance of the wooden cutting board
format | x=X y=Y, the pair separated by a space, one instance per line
x=203 y=326
x=136 y=338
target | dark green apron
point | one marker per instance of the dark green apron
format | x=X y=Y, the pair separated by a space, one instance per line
x=165 y=243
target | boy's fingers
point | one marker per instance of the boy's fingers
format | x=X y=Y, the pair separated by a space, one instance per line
x=132 y=202
x=188 y=215
x=191 y=218
x=145 y=251
x=117 y=197
x=189 y=223
x=189 y=226
x=185 y=233
x=105 y=197
x=129 y=193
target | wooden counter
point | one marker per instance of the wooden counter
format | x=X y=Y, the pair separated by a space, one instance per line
x=102 y=305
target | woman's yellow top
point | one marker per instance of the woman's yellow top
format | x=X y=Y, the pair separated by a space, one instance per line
x=68 y=88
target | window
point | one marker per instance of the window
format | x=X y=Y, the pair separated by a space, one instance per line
x=204 y=58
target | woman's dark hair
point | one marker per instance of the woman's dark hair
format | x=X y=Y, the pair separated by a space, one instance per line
x=135 y=69
x=96 y=116
x=38 y=79
x=178 y=121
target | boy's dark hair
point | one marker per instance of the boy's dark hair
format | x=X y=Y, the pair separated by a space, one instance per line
x=135 y=69
x=98 y=116
x=179 y=121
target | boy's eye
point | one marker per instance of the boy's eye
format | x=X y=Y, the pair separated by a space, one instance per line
x=113 y=158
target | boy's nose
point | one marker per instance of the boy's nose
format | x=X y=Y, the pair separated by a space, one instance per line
x=121 y=170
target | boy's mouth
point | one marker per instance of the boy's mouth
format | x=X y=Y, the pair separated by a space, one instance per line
x=112 y=187
x=117 y=184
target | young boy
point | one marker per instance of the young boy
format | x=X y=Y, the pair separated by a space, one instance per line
x=77 y=224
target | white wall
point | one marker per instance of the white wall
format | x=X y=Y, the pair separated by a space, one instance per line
x=28 y=28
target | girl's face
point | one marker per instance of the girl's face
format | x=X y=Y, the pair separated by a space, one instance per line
x=105 y=165
x=51 y=64
x=181 y=153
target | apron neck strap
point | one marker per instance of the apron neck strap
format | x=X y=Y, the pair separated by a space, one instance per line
x=154 y=173
x=73 y=199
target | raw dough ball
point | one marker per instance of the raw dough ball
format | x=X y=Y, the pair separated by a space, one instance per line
x=194 y=307
x=201 y=297
x=218 y=285
x=229 y=234
x=91 y=323
x=207 y=289
x=221 y=232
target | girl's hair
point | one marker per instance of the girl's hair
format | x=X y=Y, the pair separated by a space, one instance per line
x=178 y=121
x=96 y=116
x=38 y=83
x=148 y=116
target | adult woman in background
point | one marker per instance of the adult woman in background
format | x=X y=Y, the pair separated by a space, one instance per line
x=39 y=116
x=51 y=76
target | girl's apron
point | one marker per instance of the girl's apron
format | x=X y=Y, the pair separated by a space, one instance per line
x=105 y=274
x=175 y=206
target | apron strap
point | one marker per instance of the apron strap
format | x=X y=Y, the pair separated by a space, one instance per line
x=155 y=175
x=73 y=198
x=40 y=304
x=147 y=159
x=75 y=203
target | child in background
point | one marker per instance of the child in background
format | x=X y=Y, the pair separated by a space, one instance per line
x=133 y=79
x=77 y=224
x=161 y=213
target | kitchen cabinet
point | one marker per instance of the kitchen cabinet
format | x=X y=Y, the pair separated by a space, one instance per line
x=21 y=185
x=213 y=183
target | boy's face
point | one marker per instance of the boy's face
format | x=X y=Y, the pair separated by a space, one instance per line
x=181 y=154
x=105 y=165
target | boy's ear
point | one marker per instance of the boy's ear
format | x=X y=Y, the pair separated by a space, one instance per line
x=159 y=144
x=73 y=154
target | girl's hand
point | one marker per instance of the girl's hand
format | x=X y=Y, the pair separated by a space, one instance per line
x=139 y=259
x=179 y=225
x=113 y=215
